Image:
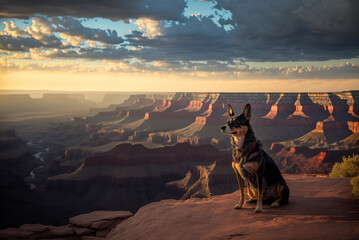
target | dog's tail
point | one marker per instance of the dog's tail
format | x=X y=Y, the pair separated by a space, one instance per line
x=285 y=194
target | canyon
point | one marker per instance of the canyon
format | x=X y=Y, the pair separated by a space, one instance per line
x=134 y=149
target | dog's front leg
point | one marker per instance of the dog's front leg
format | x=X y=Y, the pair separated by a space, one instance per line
x=259 y=178
x=241 y=187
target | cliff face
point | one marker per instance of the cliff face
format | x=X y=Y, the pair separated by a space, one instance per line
x=324 y=121
x=196 y=117
x=15 y=158
x=16 y=163
x=306 y=160
x=135 y=175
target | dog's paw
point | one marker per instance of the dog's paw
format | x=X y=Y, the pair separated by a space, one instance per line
x=258 y=210
x=275 y=204
x=238 y=206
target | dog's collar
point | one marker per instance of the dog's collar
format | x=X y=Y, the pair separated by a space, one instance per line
x=249 y=149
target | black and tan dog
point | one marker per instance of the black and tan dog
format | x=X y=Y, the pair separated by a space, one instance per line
x=252 y=164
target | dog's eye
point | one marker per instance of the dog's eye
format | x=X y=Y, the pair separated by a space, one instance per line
x=237 y=124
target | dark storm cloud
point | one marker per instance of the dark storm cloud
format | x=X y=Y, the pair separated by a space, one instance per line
x=110 y=9
x=73 y=27
x=263 y=30
x=281 y=30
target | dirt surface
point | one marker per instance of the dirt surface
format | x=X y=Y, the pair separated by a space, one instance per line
x=319 y=208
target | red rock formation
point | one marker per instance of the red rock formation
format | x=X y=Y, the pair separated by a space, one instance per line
x=351 y=111
x=172 y=119
x=353 y=126
x=306 y=160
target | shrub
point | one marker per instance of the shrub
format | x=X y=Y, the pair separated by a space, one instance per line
x=355 y=183
x=348 y=168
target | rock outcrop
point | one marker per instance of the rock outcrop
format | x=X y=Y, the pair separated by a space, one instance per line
x=319 y=208
x=306 y=160
x=91 y=226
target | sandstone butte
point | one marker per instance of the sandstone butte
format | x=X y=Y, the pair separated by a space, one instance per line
x=320 y=208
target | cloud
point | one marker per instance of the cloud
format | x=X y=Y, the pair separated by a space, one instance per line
x=343 y=71
x=40 y=27
x=42 y=30
x=13 y=30
x=280 y=30
x=263 y=30
x=38 y=35
x=70 y=30
x=215 y=70
x=151 y=27
x=110 y=9
x=111 y=53
x=75 y=33
x=197 y=38
x=10 y=43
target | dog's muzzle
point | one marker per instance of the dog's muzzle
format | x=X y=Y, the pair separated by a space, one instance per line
x=225 y=129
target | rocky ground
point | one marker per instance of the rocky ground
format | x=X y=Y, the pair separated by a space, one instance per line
x=319 y=208
x=91 y=226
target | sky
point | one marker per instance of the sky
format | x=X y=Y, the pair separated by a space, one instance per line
x=180 y=45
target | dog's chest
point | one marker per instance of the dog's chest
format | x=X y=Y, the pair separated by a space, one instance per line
x=246 y=175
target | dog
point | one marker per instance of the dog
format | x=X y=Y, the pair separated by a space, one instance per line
x=252 y=164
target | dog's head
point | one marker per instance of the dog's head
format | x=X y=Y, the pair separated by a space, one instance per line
x=237 y=125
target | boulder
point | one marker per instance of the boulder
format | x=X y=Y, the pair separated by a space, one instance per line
x=61 y=231
x=14 y=233
x=102 y=233
x=37 y=228
x=102 y=224
x=86 y=220
x=83 y=231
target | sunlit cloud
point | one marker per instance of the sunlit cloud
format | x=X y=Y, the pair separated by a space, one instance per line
x=151 y=28
x=13 y=30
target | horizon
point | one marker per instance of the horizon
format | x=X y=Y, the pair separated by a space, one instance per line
x=180 y=46
x=159 y=92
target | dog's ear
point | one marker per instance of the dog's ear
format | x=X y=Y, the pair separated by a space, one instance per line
x=247 y=112
x=230 y=111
